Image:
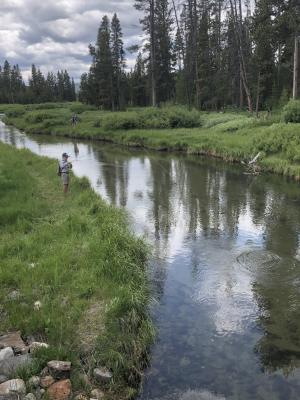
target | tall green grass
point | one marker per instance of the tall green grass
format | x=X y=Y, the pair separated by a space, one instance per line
x=72 y=254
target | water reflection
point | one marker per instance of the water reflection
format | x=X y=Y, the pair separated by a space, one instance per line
x=225 y=268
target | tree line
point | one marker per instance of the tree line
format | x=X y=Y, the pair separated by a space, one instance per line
x=208 y=54
x=49 y=88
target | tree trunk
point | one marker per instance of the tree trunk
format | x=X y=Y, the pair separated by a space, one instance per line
x=241 y=89
x=239 y=38
x=296 y=61
x=181 y=34
x=152 y=54
x=257 y=95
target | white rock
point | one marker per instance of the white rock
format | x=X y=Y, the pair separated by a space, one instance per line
x=37 y=345
x=34 y=381
x=14 y=385
x=102 y=375
x=37 y=305
x=6 y=353
x=30 y=396
x=97 y=394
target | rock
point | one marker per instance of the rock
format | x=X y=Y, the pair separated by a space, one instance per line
x=3 y=378
x=10 y=365
x=38 y=393
x=13 y=386
x=44 y=371
x=102 y=375
x=97 y=394
x=37 y=345
x=6 y=353
x=30 y=396
x=37 y=305
x=34 y=382
x=60 y=390
x=14 y=295
x=10 y=396
x=14 y=341
x=59 y=369
x=46 y=381
x=80 y=397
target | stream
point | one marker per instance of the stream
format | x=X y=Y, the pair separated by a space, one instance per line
x=224 y=272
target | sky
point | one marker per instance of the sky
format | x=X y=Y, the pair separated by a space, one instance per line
x=55 y=34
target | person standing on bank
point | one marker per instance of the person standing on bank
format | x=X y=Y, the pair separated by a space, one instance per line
x=64 y=168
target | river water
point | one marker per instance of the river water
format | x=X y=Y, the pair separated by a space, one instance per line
x=225 y=270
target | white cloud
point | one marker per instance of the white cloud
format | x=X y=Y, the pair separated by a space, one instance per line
x=56 y=35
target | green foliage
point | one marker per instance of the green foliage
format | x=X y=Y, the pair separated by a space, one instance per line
x=36 y=117
x=16 y=111
x=79 y=108
x=233 y=136
x=70 y=254
x=151 y=118
x=291 y=111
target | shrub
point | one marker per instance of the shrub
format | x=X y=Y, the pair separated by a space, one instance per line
x=120 y=121
x=291 y=112
x=36 y=117
x=16 y=111
x=150 y=118
x=181 y=118
x=44 y=106
x=79 y=108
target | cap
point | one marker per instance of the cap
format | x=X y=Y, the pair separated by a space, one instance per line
x=65 y=155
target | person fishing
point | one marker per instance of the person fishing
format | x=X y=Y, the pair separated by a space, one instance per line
x=64 y=168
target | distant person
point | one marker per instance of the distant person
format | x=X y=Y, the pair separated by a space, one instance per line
x=64 y=168
x=74 y=120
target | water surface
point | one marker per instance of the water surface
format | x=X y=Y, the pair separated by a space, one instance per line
x=225 y=270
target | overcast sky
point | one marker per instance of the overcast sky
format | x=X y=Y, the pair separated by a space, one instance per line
x=55 y=34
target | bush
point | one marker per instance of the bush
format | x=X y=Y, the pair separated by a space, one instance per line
x=44 y=106
x=79 y=108
x=15 y=111
x=291 y=112
x=36 y=117
x=151 y=118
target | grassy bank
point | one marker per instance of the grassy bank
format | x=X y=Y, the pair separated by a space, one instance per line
x=232 y=136
x=76 y=257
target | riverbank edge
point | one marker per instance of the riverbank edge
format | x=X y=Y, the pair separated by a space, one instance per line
x=275 y=164
x=119 y=327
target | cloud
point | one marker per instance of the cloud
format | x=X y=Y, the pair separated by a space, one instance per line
x=56 y=35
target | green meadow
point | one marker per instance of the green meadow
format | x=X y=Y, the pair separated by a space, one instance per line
x=230 y=135
x=75 y=256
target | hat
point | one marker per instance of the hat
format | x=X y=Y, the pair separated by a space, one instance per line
x=65 y=155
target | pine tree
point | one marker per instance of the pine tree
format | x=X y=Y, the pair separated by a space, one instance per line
x=73 y=90
x=102 y=67
x=139 y=83
x=118 y=63
x=263 y=33
x=148 y=23
x=164 y=54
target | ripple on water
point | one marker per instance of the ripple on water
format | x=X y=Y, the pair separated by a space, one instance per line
x=255 y=260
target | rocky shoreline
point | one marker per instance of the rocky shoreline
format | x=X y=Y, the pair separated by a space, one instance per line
x=53 y=381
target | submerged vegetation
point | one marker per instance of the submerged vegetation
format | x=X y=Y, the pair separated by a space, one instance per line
x=75 y=256
x=232 y=136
